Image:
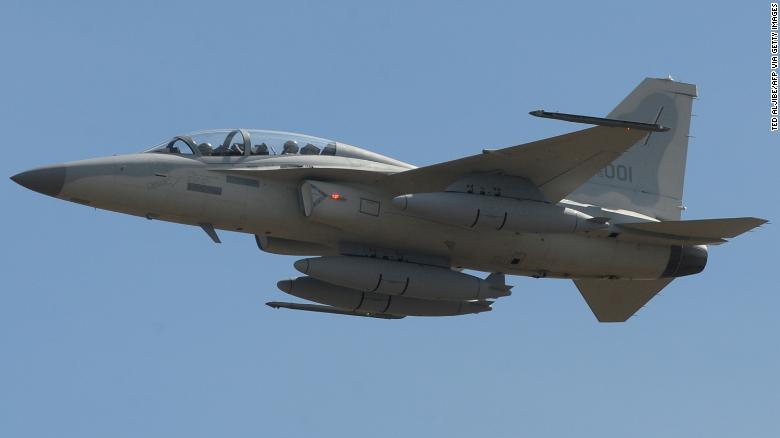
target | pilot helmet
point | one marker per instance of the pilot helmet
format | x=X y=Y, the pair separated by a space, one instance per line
x=290 y=147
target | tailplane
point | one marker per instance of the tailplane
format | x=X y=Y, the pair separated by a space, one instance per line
x=648 y=178
x=697 y=232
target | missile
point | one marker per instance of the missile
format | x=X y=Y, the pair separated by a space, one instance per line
x=600 y=121
x=354 y=302
x=482 y=212
x=401 y=278
x=328 y=309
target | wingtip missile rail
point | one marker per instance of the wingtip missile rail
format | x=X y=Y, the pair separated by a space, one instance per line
x=599 y=121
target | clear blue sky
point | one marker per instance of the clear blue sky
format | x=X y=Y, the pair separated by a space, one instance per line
x=117 y=326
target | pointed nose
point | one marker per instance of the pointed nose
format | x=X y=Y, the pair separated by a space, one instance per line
x=302 y=266
x=285 y=285
x=47 y=180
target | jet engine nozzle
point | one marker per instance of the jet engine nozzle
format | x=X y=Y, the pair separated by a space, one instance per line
x=685 y=260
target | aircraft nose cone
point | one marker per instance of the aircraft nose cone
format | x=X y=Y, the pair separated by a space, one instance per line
x=302 y=266
x=401 y=201
x=47 y=180
x=285 y=285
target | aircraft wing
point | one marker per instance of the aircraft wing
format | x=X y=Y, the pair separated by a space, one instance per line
x=556 y=165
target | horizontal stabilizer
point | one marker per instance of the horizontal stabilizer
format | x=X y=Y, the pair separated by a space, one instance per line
x=618 y=300
x=328 y=309
x=700 y=230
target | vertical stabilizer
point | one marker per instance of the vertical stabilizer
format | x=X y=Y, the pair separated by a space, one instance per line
x=649 y=177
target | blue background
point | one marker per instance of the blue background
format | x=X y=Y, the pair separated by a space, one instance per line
x=113 y=325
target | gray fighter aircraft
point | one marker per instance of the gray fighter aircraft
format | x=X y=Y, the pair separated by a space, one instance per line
x=386 y=239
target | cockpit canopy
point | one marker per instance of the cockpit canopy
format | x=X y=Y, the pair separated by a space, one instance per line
x=254 y=142
x=236 y=142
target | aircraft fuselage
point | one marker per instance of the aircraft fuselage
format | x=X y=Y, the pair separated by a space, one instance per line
x=183 y=190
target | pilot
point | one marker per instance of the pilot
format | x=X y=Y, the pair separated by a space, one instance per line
x=220 y=150
x=310 y=149
x=261 y=149
x=205 y=149
x=290 y=147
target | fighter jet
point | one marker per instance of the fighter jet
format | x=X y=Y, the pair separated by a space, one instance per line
x=385 y=239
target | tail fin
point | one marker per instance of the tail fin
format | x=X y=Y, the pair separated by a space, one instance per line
x=649 y=177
